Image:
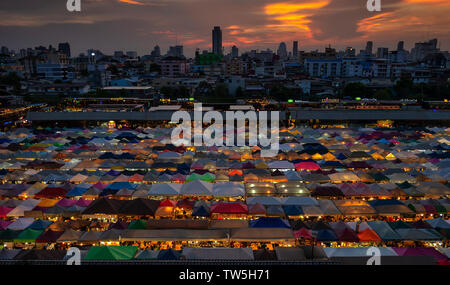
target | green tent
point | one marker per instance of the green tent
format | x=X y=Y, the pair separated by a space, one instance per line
x=28 y=235
x=379 y=176
x=111 y=253
x=138 y=225
x=399 y=225
x=8 y=235
x=209 y=177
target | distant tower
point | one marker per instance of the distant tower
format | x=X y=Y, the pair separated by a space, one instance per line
x=369 y=48
x=401 y=45
x=282 y=51
x=64 y=48
x=217 y=40
x=295 y=49
x=156 y=51
x=234 y=51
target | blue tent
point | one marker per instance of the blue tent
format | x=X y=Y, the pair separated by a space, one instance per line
x=77 y=191
x=341 y=156
x=121 y=185
x=40 y=225
x=292 y=210
x=106 y=192
x=269 y=222
x=332 y=164
x=385 y=202
x=326 y=235
x=201 y=211
x=169 y=254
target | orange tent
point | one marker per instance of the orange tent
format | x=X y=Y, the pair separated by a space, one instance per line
x=368 y=235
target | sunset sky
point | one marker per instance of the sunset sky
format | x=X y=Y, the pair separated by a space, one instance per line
x=138 y=25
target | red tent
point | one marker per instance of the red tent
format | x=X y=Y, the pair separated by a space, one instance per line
x=51 y=192
x=308 y=165
x=185 y=204
x=348 y=235
x=167 y=203
x=368 y=235
x=256 y=209
x=4 y=211
x=229 y=208
x=303 y=233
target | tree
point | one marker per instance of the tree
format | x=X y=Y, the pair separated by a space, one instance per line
x=11 y=79
x=383 y=94
x=239 y=93
x=404 y=88
x=221 y=91
x=354 y=90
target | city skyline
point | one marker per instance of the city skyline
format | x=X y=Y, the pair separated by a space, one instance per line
x=140 y=25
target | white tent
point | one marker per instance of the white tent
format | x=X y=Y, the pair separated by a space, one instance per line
x=356 y=251
x=299 y=201
x=26 y=205
x=228 y=189
x=20 y=224
x=263 y=200
x=164 y=189
x=196 y=187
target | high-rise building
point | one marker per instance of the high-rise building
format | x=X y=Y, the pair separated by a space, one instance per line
x=295 y=49
x=282 y=51
x=176 y=51
x=234 y=51
x=401 y=45
x=156 y=52
x=382 y=52
x=4 y=50
x=350 y=52
x=64 y=48
x=421 y=50
x=369 y=48
x=118 y=53
x=132 y=54
x=217 y=40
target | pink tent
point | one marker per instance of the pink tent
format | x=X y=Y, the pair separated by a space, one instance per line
x=83 y=202
x=66 y=202
x=100 y=185
x=4 y=224
x=422 y=251
x=303 y=233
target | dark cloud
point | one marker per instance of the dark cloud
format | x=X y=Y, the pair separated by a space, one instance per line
x=110 y=25
x=339 y=19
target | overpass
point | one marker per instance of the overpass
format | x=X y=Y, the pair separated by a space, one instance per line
x=298 y=115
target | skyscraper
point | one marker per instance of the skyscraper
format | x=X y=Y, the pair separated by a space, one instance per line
x=383 y=52
x=156 y=52
x=295 y=49
x=234 y=51
x=217 y=40
x=369 y=48
x=400 y=45
x=176 y=51
x=282 y=51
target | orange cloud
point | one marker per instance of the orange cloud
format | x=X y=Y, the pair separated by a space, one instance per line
x=287 y=8
x=435 y=2
x=132 y=2
x=293 y=16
